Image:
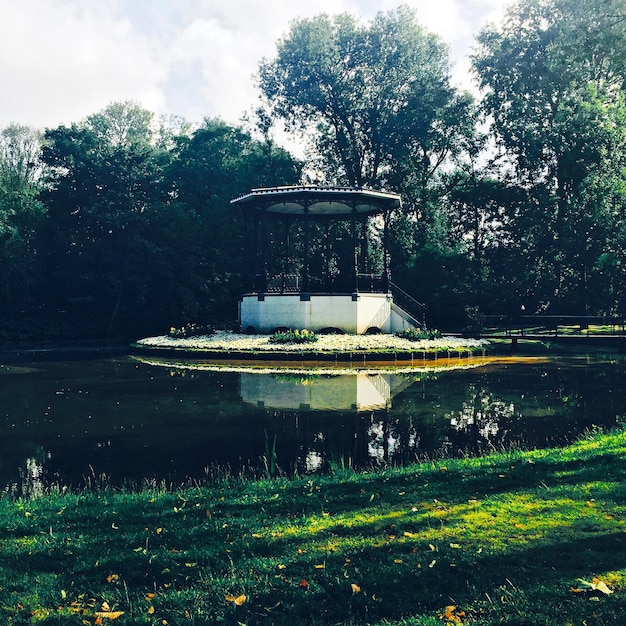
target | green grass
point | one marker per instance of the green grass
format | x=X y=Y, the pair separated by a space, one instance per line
x=516 y=538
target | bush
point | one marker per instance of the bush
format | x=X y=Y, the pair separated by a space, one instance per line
x=416 y=334
x=294 y=336
x=190 y=330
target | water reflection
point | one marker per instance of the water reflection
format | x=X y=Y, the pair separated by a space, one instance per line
x=69 y=423
x=360 y=391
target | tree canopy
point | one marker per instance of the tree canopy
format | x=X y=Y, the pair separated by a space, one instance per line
x=553 y=77
x=374 y=99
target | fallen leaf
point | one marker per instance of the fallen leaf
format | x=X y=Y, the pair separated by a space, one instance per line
x=322 y=566
x=432 y=563
x=355 y=588
x=452 y=614
x=597 y=585
x=238 y=600
x=108 y=614
x=304 y=584
x=397 y=560
x=112 y=578
x=455 y=545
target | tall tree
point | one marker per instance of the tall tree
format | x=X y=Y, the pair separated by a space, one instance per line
x=21 y=214
x=553 y=77
x=104 y=192
x=374 y=98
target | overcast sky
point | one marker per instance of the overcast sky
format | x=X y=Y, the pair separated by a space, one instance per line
x=61 y=60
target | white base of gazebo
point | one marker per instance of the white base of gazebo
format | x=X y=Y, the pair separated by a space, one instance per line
x=355 y=313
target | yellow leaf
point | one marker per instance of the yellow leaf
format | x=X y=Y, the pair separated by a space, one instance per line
x=190 y=564
x=452 y=614
x=432 y=563
x=112 y=578
x=397 y=560
x=105 y=606
x=109 y=614
x=455 y=545
x=355 y=588
x=151 y=610
x=322 y=566
x=238 y=600
x=597 y=585
x=159 y=531
x=600 y=585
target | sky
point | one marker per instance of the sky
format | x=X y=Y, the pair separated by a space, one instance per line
x=62 y=60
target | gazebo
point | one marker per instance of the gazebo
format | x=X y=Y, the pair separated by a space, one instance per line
x=313 y=264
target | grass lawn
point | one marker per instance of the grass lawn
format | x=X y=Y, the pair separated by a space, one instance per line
x=517 y=538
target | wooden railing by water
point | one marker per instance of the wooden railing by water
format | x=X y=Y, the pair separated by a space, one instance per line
x=554 y=326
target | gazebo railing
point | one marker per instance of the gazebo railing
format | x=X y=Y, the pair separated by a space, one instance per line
x=292 y=283
x=371 y=283
x=284 y=283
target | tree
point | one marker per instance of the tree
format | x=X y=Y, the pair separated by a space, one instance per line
x=375 y=99
x=104 y=195
x=216 y=164
x=553 y=78
x=21 y=214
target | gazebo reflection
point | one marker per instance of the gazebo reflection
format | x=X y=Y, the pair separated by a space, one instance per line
x=307 y=405
x=360 y=391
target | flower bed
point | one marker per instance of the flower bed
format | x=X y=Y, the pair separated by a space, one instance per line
x=226 y=341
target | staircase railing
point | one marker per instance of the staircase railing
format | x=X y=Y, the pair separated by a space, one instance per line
x=408 y=303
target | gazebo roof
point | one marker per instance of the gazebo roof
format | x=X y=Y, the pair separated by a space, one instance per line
x=319 y=200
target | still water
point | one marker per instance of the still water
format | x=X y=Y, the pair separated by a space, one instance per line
x=68 y=422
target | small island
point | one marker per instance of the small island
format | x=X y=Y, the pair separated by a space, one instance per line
x=380 y=347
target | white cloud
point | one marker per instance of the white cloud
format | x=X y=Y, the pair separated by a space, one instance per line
x=61 y=60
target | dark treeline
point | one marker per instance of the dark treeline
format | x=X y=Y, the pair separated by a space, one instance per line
x=120 y=225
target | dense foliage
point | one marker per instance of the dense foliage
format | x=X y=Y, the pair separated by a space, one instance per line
x=120 y=224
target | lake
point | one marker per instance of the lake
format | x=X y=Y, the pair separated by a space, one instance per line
x=73 y=422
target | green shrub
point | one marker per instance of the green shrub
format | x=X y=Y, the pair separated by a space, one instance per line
x=416 y=334
x=294 y=336
x=190 y=330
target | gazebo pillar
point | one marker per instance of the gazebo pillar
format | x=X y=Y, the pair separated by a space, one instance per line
x=286 y=255
x=386 y=269
x=364 y=247
x=355 y=256
x=305 y=262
